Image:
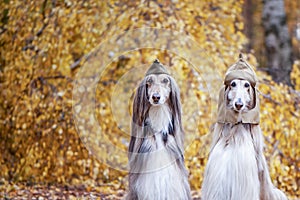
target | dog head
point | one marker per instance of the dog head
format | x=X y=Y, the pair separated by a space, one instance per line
x=158 y=88
x=240 y=95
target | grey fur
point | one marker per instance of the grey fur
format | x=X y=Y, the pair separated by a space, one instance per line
x=156 y=162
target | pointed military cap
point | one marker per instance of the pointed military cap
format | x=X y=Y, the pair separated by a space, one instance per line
x=157 y=68
x=240 y=70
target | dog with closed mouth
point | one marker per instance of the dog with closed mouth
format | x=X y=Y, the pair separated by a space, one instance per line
x=156 y=162
x=236 y=167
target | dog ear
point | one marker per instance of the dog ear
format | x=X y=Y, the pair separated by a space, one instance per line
x=139 y=110
x=140 y=104
x=176 y=110
x=226 y=91
x=175 y=103
x=252 y=98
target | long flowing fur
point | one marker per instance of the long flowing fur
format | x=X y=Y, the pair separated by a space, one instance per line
x=156 y=162
x=237 y=168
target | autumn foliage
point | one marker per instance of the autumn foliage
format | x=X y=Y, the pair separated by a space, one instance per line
x=51 y=61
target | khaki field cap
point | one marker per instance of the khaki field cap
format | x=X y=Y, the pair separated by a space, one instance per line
x=243 y=71
x=157 y=68
x=240 y=70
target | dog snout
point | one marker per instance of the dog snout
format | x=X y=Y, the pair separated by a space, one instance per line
x=238 y=104
x=156 y=97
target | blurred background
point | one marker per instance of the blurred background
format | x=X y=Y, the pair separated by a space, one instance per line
x=45 y=44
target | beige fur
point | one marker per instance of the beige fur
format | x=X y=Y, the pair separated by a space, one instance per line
x=236 y=168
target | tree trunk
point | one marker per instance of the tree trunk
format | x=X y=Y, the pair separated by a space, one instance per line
x=277 y=41
x=248 y=21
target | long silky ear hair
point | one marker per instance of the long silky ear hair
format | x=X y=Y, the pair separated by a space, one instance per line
x=252 y=97
x=140 y=108
x=141 y=104
x=176 y=110
x=226 y=88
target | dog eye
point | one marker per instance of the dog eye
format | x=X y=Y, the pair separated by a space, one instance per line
x=233 y=84
x=165 y=80
x=247 y=85
x=149 y=81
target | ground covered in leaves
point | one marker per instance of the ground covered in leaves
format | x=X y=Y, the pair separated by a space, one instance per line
x=41 y=192
x=21 y=191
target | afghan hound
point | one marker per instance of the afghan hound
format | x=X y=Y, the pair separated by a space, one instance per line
x=157 y=170
x=237 y=168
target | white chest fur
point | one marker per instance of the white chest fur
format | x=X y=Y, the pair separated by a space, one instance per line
x=167 y=183
x=162 y=178
x=160 y=117
x=231 y=172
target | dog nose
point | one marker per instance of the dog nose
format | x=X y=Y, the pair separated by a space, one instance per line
x=155 y=97
x=238 y=105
